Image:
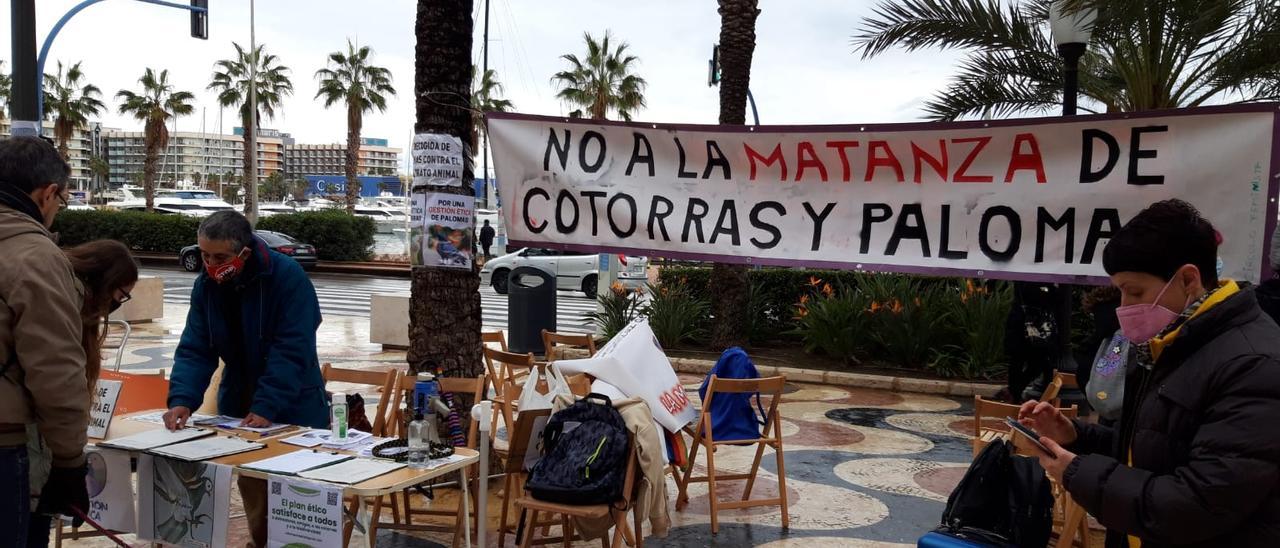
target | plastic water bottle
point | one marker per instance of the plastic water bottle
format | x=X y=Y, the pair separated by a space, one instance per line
x=338 y=417
x=419 y=449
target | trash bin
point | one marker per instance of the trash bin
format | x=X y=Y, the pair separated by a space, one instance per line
x=531 y=307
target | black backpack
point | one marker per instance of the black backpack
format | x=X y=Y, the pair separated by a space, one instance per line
x=1003 y=499
x=584 y=455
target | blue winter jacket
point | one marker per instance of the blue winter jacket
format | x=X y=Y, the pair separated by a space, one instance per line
x=732 y=415
x=279 y=317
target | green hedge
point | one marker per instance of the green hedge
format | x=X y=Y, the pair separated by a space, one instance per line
x=149 y=232
x=336 y=235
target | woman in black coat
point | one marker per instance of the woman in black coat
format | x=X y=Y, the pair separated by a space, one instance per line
x=1195 y=458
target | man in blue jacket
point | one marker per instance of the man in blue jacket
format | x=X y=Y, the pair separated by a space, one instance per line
x=256 y=311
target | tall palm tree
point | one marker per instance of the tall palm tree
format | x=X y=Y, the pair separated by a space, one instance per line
x=363 y=87
x=71 y=100
x=603 y=82
x=444 y=311
x=154 y=106
x=272 y=85
x=486 y=97
x=737 y=47
x=1144 y=54
x=5 y=90
x=101 y=171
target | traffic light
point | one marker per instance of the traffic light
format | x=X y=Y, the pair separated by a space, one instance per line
x=200 y=19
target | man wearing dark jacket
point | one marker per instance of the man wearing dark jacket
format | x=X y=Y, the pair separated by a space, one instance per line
x=1195 y=458
x=486 y=239
x=256 y=311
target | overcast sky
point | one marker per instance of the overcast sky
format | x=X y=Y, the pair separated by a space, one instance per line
x=804 y=69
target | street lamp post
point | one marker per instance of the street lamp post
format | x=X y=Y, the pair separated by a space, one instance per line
x=1071 y=32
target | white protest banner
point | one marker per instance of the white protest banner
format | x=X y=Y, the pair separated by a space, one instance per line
x=635 y=364
x=437 y=160
x=446 y=232
x=183 y=503
x=303 y=513
x=105 y=394
x=1032 y=199
x=110 y=484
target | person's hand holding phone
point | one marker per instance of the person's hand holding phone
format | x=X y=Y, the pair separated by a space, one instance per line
x=1047 y=420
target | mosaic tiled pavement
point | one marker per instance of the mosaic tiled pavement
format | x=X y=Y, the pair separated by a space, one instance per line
x=865 y=468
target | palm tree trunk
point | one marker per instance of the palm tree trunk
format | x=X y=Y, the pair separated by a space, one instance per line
x=354 y=121
x=737 y=45
x=152 y=143
x=444 y=311
x=250 y=171
x=62 y=132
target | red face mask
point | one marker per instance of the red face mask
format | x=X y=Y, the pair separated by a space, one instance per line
x=225 y=271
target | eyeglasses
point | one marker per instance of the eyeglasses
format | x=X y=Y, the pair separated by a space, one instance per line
x=62 y=202
x=127 y=297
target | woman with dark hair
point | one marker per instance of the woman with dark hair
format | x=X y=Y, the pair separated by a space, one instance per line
x=108 y=273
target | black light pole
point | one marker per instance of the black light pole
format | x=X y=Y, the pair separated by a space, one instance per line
x=22 y=105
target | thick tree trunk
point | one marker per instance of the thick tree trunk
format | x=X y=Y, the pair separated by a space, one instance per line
x=444 y=312
x=737 y=45
x=354 y=121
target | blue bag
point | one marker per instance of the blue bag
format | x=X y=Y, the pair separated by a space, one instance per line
x=732 y=417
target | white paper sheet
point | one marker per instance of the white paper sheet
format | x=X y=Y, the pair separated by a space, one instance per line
x=151 y=439
x=297 y=461
x=353 y=471
x=305 y=439
x=157 y=417
x=207 y=448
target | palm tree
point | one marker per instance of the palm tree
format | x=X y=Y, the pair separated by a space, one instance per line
x=101 y=171
x=444 y=311
x=272 y=85
x=603 y=82
x=1145 y=54
x=5 y=87
x=154 y=106
x=737 y=47
x=71 y=101
x=486 y=98
x=363 y=87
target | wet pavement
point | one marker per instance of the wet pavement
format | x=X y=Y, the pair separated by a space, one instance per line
x=865 y=468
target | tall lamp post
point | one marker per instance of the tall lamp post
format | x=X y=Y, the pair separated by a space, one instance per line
x=1071 y=30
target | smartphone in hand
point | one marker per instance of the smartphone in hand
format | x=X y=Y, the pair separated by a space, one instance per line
x=1029 y=433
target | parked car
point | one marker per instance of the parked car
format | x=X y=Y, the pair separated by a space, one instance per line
x=305 y=254
x=573 y=271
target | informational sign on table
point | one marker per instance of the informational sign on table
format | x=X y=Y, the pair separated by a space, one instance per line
x=437 y=160
x=442 y=229
x=105 y=394
x=183 y=503
x=1023 y=199
x=110 y=484
x=302 y=513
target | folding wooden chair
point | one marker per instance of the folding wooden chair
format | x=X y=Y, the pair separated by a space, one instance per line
x=984 y=409
x=512 y=454
x=504 y=371
x=1053 y=392
x=473 y=387
x=551 y=341
x=494 y=337
x=702 y=436
x=384 y=380
x=616 y=510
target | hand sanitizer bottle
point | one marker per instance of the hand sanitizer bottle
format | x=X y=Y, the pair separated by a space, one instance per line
x=338 y=417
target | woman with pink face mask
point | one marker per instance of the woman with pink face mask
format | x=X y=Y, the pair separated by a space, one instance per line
x=1195 y=457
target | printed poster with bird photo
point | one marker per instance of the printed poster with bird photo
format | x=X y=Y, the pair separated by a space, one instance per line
x=442 y=230
x=183 y=503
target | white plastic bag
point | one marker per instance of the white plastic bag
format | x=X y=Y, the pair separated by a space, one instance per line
x=531 y=399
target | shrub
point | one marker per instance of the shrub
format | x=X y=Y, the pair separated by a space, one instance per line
x=676 y=314
x=149 y=232
x=832 y=321
x=907 y=317
x=620 y=307
x=337 y=235
x=975 y=346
